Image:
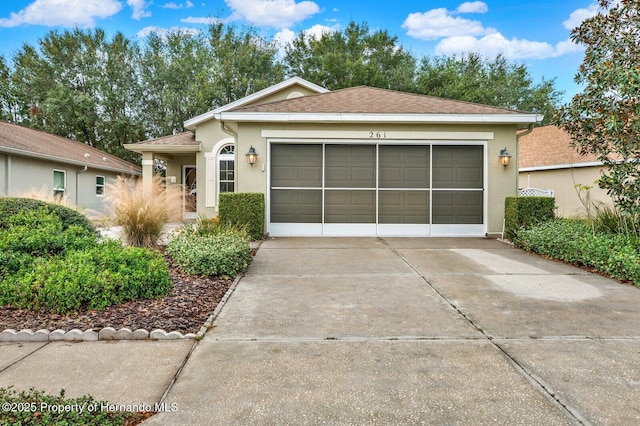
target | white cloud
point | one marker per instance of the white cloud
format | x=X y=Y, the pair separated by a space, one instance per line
x=139 y=8
x=284 y=37
x=494 y=44
x=172 y=5
x=200 y=20
x=579 y=15
x=66 y=13
x=164 y=32
x=438 y=23
x=272 y=13
x=473 y=7
x=459 y=35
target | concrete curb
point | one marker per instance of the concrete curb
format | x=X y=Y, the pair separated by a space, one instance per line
x=110 y=333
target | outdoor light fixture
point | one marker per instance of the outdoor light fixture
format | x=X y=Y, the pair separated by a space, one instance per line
x=252 y=156
x=505 y=157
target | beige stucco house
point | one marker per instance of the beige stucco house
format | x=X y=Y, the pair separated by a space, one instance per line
x=32 y=161
x=547 y=161
x=360 y=161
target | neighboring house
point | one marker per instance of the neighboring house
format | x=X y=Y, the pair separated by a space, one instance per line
x=32 y=160
x=548 y=161
x=358 y=161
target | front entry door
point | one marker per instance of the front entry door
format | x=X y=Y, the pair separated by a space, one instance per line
x=189 y=193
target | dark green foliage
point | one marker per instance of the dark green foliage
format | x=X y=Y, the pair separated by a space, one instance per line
x=604 y=119
x=245 y=209
x=45 y=266
x=25 y=408
x=573 y=241
x=223 y=253
x=524 y=211
x=496 y=82
x=10 y=206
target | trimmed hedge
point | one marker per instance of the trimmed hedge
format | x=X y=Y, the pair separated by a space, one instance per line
x=524 y=211
x=573 y=241
x=244 y=209
x=10 y=206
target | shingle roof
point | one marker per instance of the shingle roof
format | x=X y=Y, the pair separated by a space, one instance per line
x=370 y=100
x=182 y=139
x=35 y=143
x=549 y=146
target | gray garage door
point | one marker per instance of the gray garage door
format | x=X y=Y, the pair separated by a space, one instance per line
x=376 y=189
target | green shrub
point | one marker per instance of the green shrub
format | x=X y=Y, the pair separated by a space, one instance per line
x=244 y=209
x=40 y=232
x=94 y=278
x=25 y=408
x=573 y=241
x=10 y=206
x=523 y=211
x=611 y=220
x=221 y=254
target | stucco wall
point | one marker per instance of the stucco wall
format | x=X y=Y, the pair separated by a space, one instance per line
x=502 y=182
x=563 y=182
x=25 y=175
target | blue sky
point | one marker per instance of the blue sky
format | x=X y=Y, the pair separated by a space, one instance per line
x=532 y=32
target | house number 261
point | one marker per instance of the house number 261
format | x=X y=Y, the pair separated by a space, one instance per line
x=377 y=135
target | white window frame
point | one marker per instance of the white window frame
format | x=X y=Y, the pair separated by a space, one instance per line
x=62 y=192
x=225 y=157
x=103 y=185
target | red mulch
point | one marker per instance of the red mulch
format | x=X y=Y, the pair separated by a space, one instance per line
x=185 y=309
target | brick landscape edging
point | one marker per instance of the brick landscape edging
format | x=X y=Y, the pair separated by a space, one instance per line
x=110 y=333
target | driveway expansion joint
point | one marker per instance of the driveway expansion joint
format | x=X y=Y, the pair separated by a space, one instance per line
x=532 y=378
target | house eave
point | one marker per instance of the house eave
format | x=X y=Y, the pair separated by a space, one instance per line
x=23 y=153
x=142 y=147
x=380 y=118
x=561 y=166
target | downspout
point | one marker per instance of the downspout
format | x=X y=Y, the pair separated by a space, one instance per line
x=518 y=136
x=8 y=176
x=78 y=183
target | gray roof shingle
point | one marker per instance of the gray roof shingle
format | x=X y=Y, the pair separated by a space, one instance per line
x=370 y=100
x=21 y=140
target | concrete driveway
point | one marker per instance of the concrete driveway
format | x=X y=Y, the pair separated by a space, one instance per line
x=414 y=331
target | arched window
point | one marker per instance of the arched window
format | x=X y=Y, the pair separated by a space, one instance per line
x=226 y=169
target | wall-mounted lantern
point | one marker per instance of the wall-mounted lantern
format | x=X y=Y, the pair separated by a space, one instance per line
x=505 y=157
x=252 y=156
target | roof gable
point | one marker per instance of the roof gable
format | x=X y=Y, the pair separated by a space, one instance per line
x=255 y=98
x=20 y=140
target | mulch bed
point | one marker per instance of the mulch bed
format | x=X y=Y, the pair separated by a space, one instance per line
x=185 y=309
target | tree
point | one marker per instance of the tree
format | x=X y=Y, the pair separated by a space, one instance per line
x=352 y=57
x=243 y=63
x=604 y=119
x=495 y=82
x=80 y=85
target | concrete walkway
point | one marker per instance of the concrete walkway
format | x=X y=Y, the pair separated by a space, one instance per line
x=414 y=331
x=378 y=331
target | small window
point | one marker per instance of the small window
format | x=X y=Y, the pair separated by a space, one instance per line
x=226 y=165
x=100 y=186
x=59 y=183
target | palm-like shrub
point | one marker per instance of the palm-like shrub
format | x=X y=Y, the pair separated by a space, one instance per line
x=143 y=212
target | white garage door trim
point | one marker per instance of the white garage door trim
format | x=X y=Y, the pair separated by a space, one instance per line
x=378 y=229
